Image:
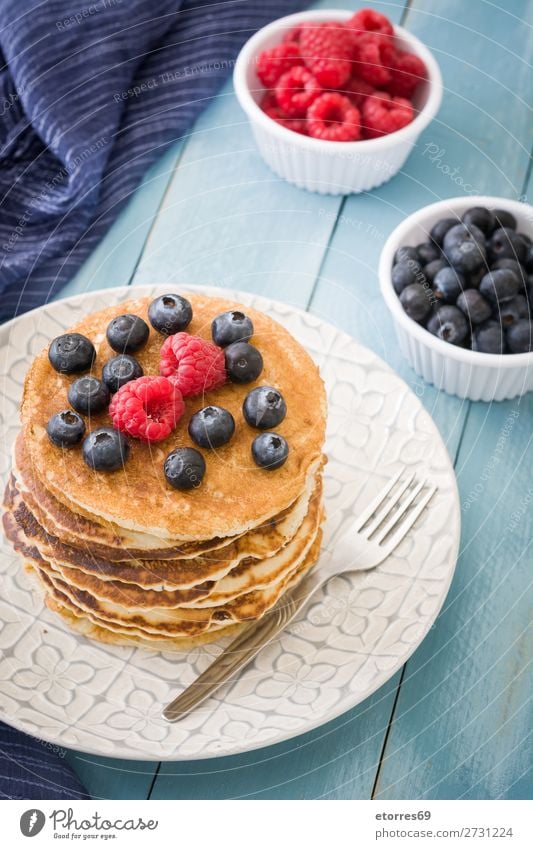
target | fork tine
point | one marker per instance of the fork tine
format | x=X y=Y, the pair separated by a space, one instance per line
x=387 y=508
x=409 y=521
x=373 y=506
x=402 y=508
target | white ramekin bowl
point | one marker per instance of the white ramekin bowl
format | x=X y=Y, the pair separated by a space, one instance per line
x=459 y=371
x=337 y=168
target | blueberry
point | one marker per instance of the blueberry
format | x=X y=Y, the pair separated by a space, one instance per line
x=440 y=228
x=520 y=336
x=514 y=310
x=467 y=257
x=506 y=244
x=465 y=248
x=270 y=450
x=127 y=333
x=88 y=395
x=529 y=292
x=184 y=468
x=105 y=450
x=415 y=301
x=120 y=370
x=465 y=251
x=460 y=233
x=405 y=254
x=170 y=314
x=432 y=268
x=475 y=277
x=211 y=427
x=448 y=285
x=264 y=407
x=71 y=353
x=513 y=266
x=528 y=262
x=476 y=308
x=428 y=252
x=481 y=217
x=499 y=286
x=404 y=274
x=503 y=218
x=449 y=324
x=488 y=338
x=232 y=326
x=244 y=363
x=65 y=429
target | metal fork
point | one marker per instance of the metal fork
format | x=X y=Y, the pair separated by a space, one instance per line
x=368 y=541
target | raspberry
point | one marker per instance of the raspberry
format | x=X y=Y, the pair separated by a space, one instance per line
x=148 y=408
x=327 y=51
x=333 y=117
x=408 y=71
x=293 y=34
x=368 y=20
x=269 y=105
x=384 y=114
x=368 y=62
x=387 y=52
x=296 y=91
x=297 y=125
x=357 y=90
x=272 y=63
x=195 y=365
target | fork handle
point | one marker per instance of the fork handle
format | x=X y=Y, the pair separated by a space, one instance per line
x=244 y=648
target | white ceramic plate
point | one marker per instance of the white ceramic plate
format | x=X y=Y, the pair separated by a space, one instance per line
x=68 y=690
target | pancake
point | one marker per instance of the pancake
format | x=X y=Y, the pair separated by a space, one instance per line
x=89 y=625
x=83 y=625
x=77 y=621
x=177 y=622
x=243 y=577
x=160 y=574
x=235 y=495
x=111 y=541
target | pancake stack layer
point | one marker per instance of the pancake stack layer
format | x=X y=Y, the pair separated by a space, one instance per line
x=125 y=558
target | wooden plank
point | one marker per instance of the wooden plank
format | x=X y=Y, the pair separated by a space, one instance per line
x=229 y=221
x=111 y=778
x=114 y=261
x=461 y=725
x=316 y=764
x=463 y=720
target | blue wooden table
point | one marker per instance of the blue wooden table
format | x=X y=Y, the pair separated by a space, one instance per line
x=456 y=721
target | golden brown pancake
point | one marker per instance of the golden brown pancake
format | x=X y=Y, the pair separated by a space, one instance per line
x=235 y=495
x=160 y=574
x=180 y=622
x=27 y=538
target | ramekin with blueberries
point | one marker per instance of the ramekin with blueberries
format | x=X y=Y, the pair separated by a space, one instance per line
x=457 y=276
x=471 y=283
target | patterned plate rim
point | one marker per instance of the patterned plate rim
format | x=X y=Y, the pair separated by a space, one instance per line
x=119 y=293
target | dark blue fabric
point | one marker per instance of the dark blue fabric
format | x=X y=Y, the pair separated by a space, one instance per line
x=90 y=94
x=34 y=769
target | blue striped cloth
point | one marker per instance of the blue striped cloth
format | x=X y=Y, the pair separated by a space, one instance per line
x=34 y=769
x=90 y=95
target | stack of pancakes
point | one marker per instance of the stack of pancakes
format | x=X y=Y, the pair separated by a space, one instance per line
x=125 y=558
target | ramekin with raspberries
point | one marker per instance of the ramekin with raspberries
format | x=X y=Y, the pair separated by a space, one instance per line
x=336 y=100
